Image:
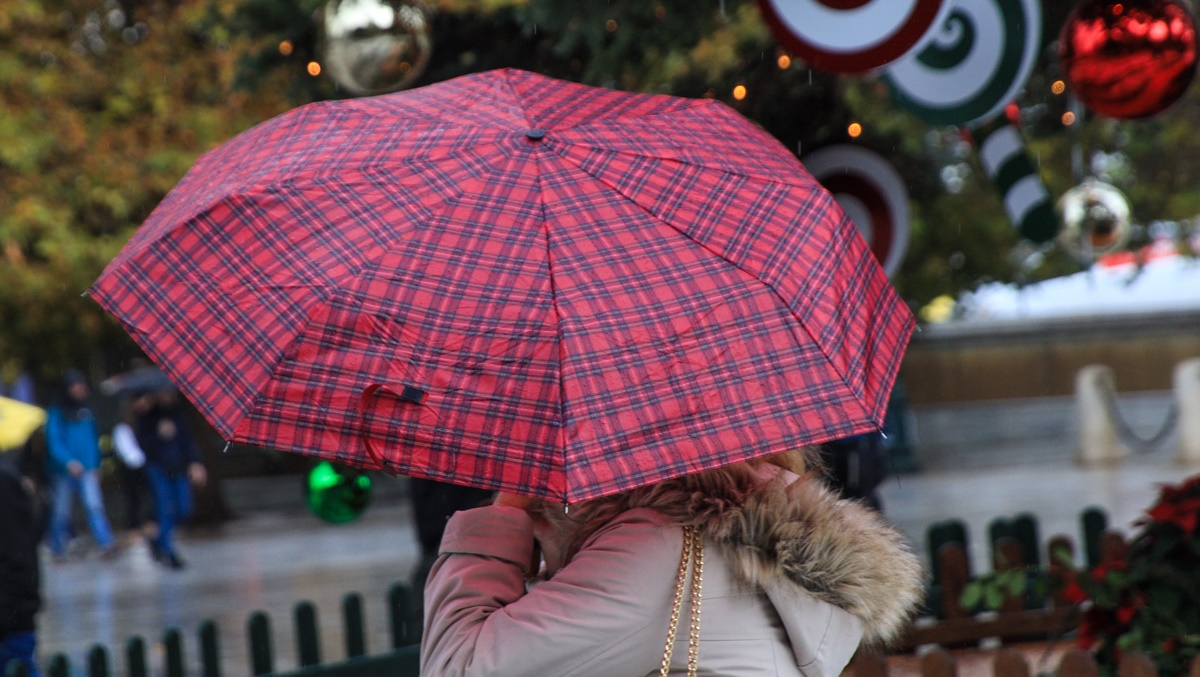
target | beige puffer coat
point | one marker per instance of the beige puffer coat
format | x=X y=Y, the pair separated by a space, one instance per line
x=793 y=580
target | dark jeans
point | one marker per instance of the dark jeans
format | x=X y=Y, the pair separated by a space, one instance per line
x=134 y=490
x=20 y=646
x=172 y=503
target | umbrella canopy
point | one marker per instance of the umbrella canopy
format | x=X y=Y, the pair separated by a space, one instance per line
x=513 y=282
x=18 y=421
x=142 y=379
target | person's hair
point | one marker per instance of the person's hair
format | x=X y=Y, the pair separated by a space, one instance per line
x=688 y=499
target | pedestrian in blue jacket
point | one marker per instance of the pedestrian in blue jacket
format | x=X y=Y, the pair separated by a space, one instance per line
x=73 y=465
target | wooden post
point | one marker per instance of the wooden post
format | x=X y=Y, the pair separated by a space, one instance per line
x=1113 y=547
x=1135 y=664
x=173 y=642
x=308 y=640
x=352 y=620
x=938 y=663
x=261 y=658
x=97 y=659
x=869 y=663
x=1010 y=663
x=998 y=530
x=952 y=560
x=210 y=650
x=941 y=533
x=1094 y=522
x=1077 y=663
x=135 y=657
x=400 y=616
x=1025 y=530
x=59 y=667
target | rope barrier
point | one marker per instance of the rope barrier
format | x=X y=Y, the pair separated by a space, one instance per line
x=1126 y=432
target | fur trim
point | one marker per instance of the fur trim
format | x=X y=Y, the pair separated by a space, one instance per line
x=837 y=550
x=769 y=531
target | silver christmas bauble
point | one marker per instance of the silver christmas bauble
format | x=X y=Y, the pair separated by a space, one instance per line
x=375 y=46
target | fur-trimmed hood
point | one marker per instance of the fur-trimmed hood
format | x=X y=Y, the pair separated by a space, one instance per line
x=783 y=533
x=836 y=550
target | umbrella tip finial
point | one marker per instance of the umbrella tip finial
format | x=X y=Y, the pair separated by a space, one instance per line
x=535 y=134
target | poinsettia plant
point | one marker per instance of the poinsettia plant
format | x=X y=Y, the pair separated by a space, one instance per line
x=1149 y=600
x=1145 y=599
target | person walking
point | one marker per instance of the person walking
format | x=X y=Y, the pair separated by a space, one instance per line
x=133 y=460
x=789 y=578
x=20 y=589
x=172 y=466
x=73 y=462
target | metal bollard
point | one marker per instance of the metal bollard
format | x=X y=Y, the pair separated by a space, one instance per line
x=1099 y=441
x=1187 y=398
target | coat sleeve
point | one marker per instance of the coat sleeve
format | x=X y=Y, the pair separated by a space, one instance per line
x=604 y=613
x=126 y=444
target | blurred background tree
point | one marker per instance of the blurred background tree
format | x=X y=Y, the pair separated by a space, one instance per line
x=104 y=104
x=103 y=107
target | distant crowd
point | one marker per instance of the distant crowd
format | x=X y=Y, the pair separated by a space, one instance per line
x=154 y=465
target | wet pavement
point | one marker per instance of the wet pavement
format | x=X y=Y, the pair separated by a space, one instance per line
x=264 y=561
x=271 y=560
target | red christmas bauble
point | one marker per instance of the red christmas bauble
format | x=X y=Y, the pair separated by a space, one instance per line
x=1129 y=59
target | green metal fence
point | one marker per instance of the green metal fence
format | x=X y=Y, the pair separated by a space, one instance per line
x=401 y=661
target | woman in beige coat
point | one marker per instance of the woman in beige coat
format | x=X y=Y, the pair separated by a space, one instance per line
x=790 y=578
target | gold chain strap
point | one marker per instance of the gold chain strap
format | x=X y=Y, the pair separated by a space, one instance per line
x=693 y=551
x=697 y=584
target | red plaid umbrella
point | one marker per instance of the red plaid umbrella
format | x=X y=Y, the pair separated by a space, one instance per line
x=515 y=283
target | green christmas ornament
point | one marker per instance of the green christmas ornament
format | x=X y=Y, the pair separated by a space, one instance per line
x=337 y=495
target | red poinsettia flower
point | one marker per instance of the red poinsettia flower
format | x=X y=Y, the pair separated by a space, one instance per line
x=1074 y=594
x=1182 y=514
x=1125 y=614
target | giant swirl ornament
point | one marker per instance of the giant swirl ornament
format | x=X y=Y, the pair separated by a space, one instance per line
x=375 y=46
x=871 y=193
x=977 y=62
x=1128 y=59
x=337 y=494
x=1095 y=219
x=852 y=36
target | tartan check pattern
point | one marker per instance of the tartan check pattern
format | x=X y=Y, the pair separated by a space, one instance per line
x=413 y=283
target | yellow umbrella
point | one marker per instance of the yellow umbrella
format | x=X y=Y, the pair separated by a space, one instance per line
x=18 y=421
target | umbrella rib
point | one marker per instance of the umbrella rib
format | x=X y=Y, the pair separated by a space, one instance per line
x=857 y=392
x=562 y=391
x=507 y=80
x=789 y=181
x=287 y=350
x=686 y=105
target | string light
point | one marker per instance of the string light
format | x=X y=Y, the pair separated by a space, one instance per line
x=285 y=48
x=1058 y=87
x=739 y=92
x=1068 y=118
x=854 y=130
x=784 y=61
x=314 y=68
